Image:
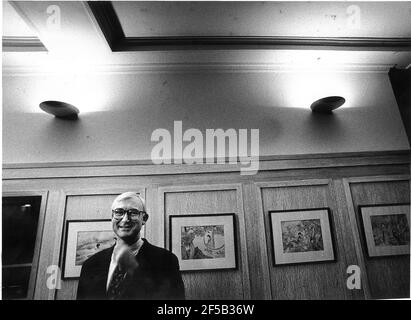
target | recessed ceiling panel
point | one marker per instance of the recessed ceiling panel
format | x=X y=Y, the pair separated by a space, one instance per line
x=270 y=19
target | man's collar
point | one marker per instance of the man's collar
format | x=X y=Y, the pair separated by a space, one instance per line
x=135 y=247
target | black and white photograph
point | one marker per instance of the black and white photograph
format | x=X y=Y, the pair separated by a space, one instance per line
x=83 y=240
x=203 y=241
x=205 y=151
x=302 y=236
x=387 y=229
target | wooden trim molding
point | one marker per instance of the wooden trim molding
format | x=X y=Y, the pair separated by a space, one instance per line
x=400 y=177
x=338 y=155
x=22 y=44
x=110 y=25
x=145 y=168
x=292 y=183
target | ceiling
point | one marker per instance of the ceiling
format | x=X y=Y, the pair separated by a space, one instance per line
x=301 y=19
x=370 y=34
x=13 y=24
x=80 y=44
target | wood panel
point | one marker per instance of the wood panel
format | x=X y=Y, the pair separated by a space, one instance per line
x=49 y=252
x=348 y=235
x=260 y=287
x=388 y=277
x=280 y=184
x=211 y=284
x=314 y=280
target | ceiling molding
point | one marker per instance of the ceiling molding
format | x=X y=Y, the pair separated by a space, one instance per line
x=153 y=68
x=224 y=43
x=22 y=44
x=110 y=25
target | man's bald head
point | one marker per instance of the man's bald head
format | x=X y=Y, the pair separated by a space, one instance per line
x=132 y=196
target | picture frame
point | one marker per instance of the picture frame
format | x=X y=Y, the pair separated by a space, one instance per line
x=85 y=238
x=204 y=241
x=302 y=236
x=386 y=229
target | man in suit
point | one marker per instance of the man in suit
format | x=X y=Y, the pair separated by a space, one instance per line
x=132 y=268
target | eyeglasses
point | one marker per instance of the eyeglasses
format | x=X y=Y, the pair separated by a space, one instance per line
x=134 y=214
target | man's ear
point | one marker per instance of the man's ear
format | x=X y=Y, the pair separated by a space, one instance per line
x=145 y=218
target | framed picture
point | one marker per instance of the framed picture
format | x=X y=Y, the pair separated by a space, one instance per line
x=203 y=242
x=301 y=236
x=84 y=238
x=386 y=229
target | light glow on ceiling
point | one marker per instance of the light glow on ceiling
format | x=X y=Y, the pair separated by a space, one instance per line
x=303 y=88
x=71 y=77
x=79 y=90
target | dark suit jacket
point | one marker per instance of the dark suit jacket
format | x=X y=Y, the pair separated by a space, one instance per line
x=157 y=277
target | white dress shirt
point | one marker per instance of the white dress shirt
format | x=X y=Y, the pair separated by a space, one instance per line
x=135 y=248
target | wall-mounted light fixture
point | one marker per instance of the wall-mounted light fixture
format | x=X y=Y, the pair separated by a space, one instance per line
x=327 y=104
x=60 y=109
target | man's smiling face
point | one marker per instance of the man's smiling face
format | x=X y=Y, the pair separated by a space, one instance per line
x=128 y=228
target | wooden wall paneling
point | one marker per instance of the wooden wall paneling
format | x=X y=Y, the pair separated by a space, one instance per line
x=304 y=281
x=339 y=230
x=254 y=239
x=242 y=250
x=152 y=210
x=257 y=243
x=388 y=277
x=49 y=252
x=348 y=235
x=39 y=235
x=219 y=198
x=84 y=205
x=356 y=237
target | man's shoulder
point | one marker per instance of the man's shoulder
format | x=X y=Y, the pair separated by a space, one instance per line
x=157 y=252
x=96 y=258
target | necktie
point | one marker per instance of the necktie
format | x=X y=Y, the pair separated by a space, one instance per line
x=115 y=289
